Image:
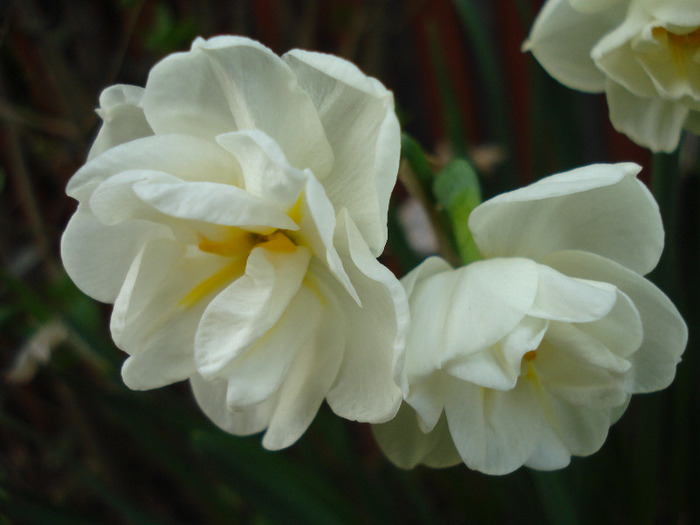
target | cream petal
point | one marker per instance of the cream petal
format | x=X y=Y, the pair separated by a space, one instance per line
x=248 y=308
x=358 y=116
x=159 y=197
x=187 y=158
x=307 y=383
x=616 y=57
x=266 y=172
x=211 y=398
x=562 y=298
x=593 y=6
x=579 y=369
x=682 y=13
x=665 y=332
x=600 y=208
x=318 y=223
x=97 y=257
x=652 y=122
x=256 y=375
x=122 y=118
x=364 y=389
x=495 y=432
x=427 y=398
x=561 y=40
x=427 y=268
x=232 y=83
x=151 y=321
x=583 y=430
x=406 y=446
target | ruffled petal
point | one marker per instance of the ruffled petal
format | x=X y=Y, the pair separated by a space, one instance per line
x=358 y=116
x=257 y=374
x=683 y=13
x=364 y=389
x=467 y=310
x=562 y=38
x=406 y=446
x=97 y=257
x=187 y=158
x=266 y=172
x=245 y=310
x=600 y=208
x=233 y=83
x=306 y=385
x=495 y=432
x=593 y=6
x=652 y=122
x=211 y=398
x=122 y=118
x=562 y=298
x=665 y=332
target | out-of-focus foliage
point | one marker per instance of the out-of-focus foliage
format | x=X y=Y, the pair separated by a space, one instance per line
x=76 y=446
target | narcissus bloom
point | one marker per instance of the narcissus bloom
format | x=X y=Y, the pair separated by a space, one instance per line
x=528 y=356
x=644 y=54
x=233 y=211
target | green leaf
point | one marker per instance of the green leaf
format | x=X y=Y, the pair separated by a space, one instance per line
x=458 y=192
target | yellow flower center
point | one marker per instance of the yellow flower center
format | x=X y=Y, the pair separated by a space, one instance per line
x=237 y=246
x=680 y=46
x=530 y=356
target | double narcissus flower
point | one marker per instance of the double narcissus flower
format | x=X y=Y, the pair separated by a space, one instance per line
x=528 y=356
x=233 y=211
x=644 y=54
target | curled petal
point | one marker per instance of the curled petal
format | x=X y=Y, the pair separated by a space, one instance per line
x=358 y=115
x=122 y=118
x=665 y=332
x=243 y=312
x=562 y=38
x=233 y=84
x=601 y=208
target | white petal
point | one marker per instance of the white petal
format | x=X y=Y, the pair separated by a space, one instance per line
x=187 y=158
x=458 y=313
x=651 y=122
x=579 y=369
x=266 y=172
x=593 y=6
x=211 y=398
x=318 y=225
x=562 y=298
x=427 y=268
x=682 y=13
x=150 y=320
x=406 y=446
x=97 y=257
x=562 y=38
x=600 y=208
x=307 y=383
x=256 y=375
x=665 y=333
x=582 y=429
x=358 y=116
x=364 y=389
x=617 y=57
x=122 y=118
x=230 y=84
x=243 y=312
x=495 y=432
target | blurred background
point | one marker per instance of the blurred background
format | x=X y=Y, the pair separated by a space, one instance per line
x=77 y=447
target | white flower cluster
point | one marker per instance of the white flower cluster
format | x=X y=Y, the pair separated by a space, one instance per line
x=644 y=54
x=233 y=210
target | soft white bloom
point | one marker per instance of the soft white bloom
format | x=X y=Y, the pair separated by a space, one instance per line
x=527 y=357
x=232 y=211
x=644 y=54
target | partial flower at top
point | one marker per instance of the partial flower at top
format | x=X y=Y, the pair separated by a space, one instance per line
x=232 y=211
x=527 y=357
x=644 y=54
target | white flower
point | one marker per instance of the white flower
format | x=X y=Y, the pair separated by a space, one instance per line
x=232 y=211
x=527 y=357
x=644 y=54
